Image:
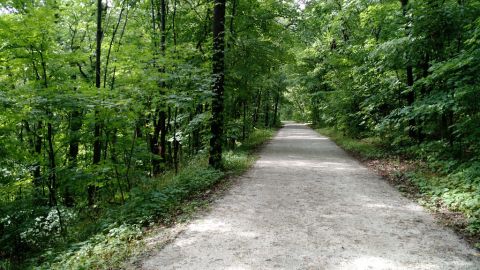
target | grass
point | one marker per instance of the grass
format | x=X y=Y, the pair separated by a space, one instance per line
x=453 y=196
x=366 y=148
x=154 y=202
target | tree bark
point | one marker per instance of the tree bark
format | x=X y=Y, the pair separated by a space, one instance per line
x=176 y=144
x=52 y=176
x=163 y=129
x=275 y=112
x=97 y=145
x=158 y=142
x=410 y=80
x=75 y=126
x=267 y=110
x=244 y=126
x=218 y=74
x=197 y=141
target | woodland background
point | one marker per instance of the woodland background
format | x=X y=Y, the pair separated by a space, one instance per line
x=106 y=107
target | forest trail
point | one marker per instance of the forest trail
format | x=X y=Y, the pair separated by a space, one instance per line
x=306 y=204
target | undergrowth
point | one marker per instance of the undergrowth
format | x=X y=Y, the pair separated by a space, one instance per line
x=440 y=183
x=111 y=236
x=366 y=148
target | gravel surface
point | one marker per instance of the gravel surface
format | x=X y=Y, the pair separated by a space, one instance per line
x=306 y=204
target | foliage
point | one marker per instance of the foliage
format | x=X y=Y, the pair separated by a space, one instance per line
x=368 y=148
x=238 y=160
x=77 y=156
x=403 y=73
x=115 y=234
x=459 y=191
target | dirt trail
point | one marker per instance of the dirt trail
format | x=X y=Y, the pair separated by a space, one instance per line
x=306 y=204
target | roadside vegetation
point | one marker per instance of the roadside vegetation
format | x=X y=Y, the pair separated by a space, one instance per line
x=398 y=81
x=115 y=115
x=111 y=235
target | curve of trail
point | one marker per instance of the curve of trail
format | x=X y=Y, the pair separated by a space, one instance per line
x=306 y=204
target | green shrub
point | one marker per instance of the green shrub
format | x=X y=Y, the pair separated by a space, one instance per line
x=108 y=238
x=368 y=148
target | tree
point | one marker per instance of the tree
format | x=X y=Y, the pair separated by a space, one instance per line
x=97 y=144
x=216 y=125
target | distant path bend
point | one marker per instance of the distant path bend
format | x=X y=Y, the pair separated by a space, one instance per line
x=306 y=204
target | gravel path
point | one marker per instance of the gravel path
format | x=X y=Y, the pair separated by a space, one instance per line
x=306 y=204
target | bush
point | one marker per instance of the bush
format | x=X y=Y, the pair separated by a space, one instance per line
x=107 y=238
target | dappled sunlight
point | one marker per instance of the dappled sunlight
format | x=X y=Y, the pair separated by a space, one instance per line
x=219 y=226
x=238 y=268
x=206 y=225
x=380 y=205
x=247 y=234
x=210 y=225
x=382 y=263
x=185 y=242
x=409 y=207
x=303 y=163
x=301 y=137
x=371 y=262
x=298 y=132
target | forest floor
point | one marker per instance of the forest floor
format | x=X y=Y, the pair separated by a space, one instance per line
x=307 y=204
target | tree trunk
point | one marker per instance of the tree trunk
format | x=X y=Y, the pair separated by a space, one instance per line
x=74 y=138
x=257 y=107
x=409 y=70
x=244 y=126
x=163 y=129
x=158 y=145
x=97 y=145
x=218 y=62
x=175 y=142
x=163 y=133
x=275 y=112
x=52 y=176
x=197 y=141
x=154 y=147
x=37 y=177
x=267 y=110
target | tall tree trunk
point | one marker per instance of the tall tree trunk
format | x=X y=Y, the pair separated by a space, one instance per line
x=52 y=175
x=174 y=30
x=257 y=107
x=163 y=129
x=197 y=141
x=74 y=138
x=176 y=144
x=154 y=147
x=218 y=62
x=244 y=126
x=275 y=112
x=409 y=70
x=158 y=142
x=37 y=177
x=37 y=141
x=97 y=145
x=163 y=135
x=267 y=110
